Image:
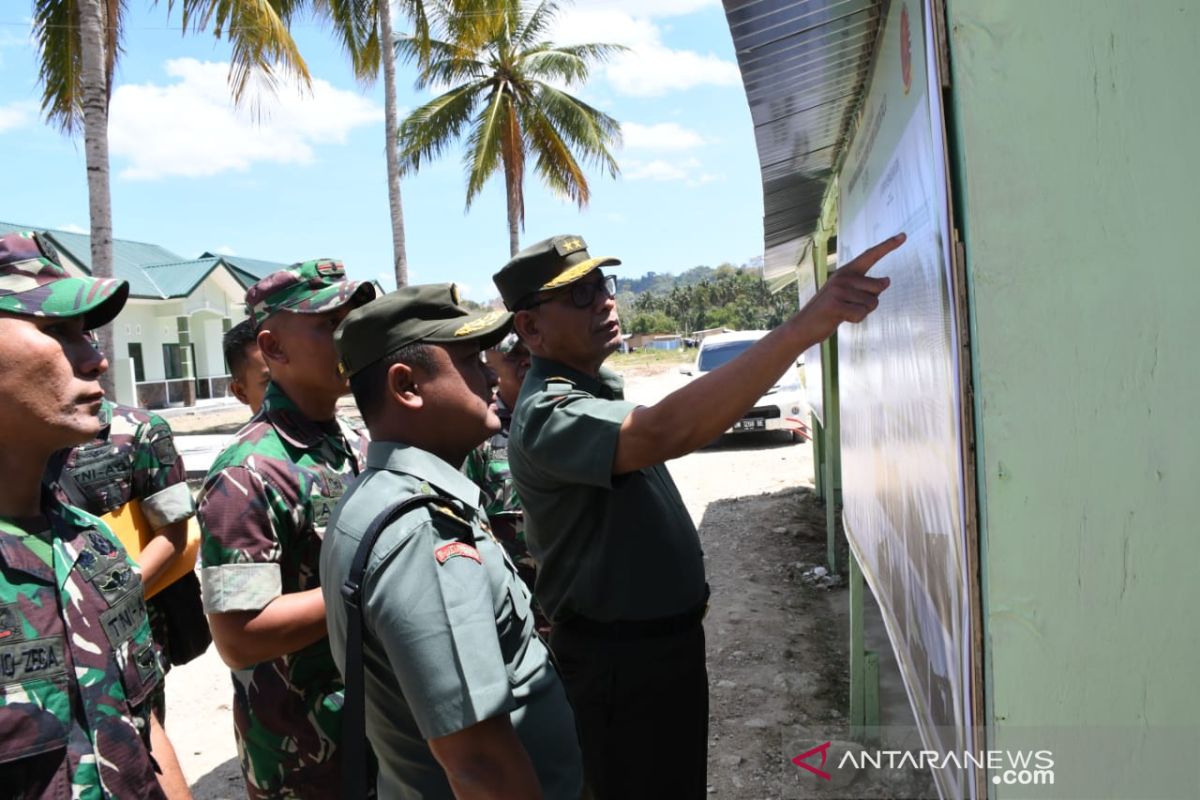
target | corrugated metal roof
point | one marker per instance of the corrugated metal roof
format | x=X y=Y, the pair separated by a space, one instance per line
x=804 y=64
x=178 y=279
x=254 y=267
x=153 y=271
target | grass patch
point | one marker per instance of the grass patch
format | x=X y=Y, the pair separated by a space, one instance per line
x=647 y=357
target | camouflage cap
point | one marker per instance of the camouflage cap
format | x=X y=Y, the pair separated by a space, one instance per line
x=34 y=284
x=308 y=287
x=549 y=264
x=429 y=313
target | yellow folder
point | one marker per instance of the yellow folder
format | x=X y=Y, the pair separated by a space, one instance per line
x=131 y=527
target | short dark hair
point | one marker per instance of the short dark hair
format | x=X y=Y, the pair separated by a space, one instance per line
x=236 y=342
x=370 y=383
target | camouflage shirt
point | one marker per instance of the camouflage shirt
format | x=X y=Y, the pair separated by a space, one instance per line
x=133 y=458
x=76 y=662
x=263 y=511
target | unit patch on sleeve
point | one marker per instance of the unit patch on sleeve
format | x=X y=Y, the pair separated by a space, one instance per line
x=448 y=551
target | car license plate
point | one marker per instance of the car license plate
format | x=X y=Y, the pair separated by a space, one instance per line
x=750 y=425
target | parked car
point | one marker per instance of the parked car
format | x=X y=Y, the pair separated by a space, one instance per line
x=784 y=406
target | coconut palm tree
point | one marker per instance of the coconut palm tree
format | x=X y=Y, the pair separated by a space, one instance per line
x=507 y=102
x=362 y=25
x=80 y=42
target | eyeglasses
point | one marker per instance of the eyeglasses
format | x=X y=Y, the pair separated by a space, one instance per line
x=582 y=293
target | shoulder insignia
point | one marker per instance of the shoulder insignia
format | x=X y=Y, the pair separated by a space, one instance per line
x=559 y=385
x=446 y=510
x=449 y=551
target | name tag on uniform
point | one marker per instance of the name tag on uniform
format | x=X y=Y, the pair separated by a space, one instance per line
x=122 y=620
x=36 y=658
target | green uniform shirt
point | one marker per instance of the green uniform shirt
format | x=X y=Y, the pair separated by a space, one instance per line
x=448 y=633
x=610 y=547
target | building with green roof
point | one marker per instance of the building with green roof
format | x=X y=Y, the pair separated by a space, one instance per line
x=167 y=340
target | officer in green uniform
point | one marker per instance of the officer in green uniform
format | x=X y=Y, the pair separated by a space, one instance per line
x=77 y=667
x=622 y=573
x=461 y=697
x=263 y=510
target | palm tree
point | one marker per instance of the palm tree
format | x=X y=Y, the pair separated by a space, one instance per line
x=362 y=25
x=503 y=72
x=80 y=42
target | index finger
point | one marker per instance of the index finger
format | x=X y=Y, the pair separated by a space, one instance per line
x=867 y=259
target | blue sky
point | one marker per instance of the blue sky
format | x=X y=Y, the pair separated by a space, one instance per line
x=192 y=173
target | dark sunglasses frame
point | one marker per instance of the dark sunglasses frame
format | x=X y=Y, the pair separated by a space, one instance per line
x=582 y=293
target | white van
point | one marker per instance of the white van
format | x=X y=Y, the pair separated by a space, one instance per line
x=784 y=406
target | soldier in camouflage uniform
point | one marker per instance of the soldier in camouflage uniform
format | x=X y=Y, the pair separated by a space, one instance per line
x=134 y=458
x=77 y=666
x=263 y=510
x=487 y=466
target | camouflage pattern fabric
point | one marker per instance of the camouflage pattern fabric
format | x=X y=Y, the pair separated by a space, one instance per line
x=263 y=511
x=132 y=458
x=487 y=467
x=309 y=287
x=76 y=662
x=33 y=283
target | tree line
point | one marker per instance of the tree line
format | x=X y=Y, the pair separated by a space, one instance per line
x=703 y=297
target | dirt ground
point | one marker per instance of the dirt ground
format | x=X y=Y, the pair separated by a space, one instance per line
x=777 y=641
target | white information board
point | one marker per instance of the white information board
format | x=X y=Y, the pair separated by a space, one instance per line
x=902 y=463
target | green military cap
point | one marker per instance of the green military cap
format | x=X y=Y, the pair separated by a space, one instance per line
x=427 y=313
x=549 y=264
x=307 y=287
x=34 y=284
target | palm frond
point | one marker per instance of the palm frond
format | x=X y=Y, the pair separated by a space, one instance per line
x=430 y=129
x=356 y=24
x=260 y=33
x=534 y=26
x=587 y=130
x=485 y=143
x=555 y=163
x=56 y=28
x=114 y=26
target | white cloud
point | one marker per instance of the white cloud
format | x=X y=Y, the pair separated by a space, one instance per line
x=17 y=114
x=190 y=127
x=225 y=250
x=688 y=171
x=649 y=68
x=660 y=136
x=71 y=227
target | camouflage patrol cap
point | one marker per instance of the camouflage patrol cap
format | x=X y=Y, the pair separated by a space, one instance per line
x=308 y=287
x=428 y=313
x=549 y=264
x=34 y=284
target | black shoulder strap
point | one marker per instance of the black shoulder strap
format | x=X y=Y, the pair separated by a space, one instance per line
x=355 y=773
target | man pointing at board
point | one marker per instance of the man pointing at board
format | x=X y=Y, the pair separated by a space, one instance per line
x=622 y=573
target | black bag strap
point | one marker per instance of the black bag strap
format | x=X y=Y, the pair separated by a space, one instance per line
x=355 y=771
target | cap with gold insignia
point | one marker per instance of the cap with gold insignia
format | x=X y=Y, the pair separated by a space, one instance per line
x=308 y=287
x=425 y=313
x=549 y=264
x=34 y=284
